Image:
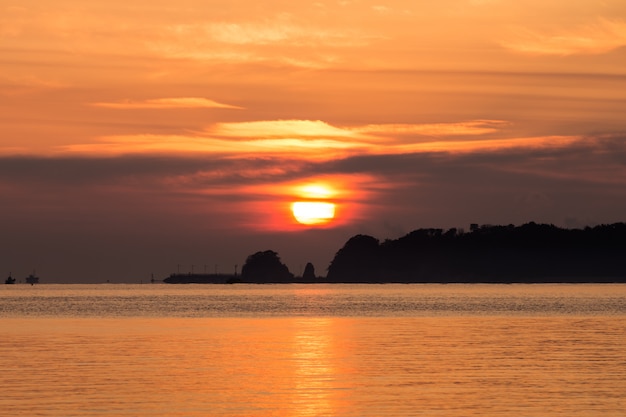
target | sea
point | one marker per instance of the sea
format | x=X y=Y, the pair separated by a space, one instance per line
x=313 y=350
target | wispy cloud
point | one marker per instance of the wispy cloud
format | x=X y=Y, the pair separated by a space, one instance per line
x=280 y=40
x=468 y=128
x=166 y=103
x=316 y=140
x=200 y=33
x=602 y=36
x=373 y=133
x=281 y=30
x=492 y=145
x=552 y=154
x=280 y=129
x=299 y=148
x=253 y=191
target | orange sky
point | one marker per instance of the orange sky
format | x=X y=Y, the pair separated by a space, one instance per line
x=139 y=135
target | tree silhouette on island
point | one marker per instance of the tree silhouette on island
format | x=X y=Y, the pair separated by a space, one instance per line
x=487 y=254
x=265 y=267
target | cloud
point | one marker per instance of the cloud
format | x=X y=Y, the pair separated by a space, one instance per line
x=280 y=30
x=204 y=33
x=499 y=185
x=167 y=103
x=599 y=159
x=469 y=128
x=484 y=145
x=280 y=129
x=284 y=39
x=318 y=140
x=583 y=158
x=602 y=36
x=372 y=134
x=301 y=148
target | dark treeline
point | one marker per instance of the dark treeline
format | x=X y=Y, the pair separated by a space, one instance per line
x=499 y=254
x=528 y=253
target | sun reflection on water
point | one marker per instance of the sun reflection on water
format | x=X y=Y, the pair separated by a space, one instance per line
x=318 y=389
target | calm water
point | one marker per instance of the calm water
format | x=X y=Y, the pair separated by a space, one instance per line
x=304 y=350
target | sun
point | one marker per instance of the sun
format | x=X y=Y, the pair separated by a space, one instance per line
x=313 y=212
x=314 y=205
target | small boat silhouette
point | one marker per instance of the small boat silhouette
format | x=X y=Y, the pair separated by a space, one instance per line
x=32 y=279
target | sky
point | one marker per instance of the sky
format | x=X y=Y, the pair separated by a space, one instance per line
x=140 y=138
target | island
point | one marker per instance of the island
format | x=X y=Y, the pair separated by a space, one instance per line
x=530 y=253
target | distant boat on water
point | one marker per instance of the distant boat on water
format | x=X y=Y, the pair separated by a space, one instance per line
x=32 y=279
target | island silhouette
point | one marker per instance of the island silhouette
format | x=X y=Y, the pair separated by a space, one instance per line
x=530 y=253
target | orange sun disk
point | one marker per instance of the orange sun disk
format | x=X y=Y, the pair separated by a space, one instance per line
x=313 y=212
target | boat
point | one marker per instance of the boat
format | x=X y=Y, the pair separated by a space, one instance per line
x=32 y=279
